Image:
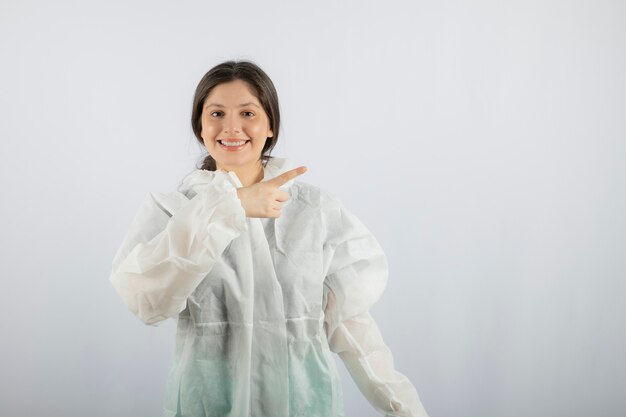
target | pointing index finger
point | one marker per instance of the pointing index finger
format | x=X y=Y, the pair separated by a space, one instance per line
x=286 y=176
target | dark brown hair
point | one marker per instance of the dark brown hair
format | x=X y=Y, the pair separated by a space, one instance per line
x=261 y=86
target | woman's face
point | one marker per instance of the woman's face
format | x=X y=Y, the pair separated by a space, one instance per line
x=232 y=114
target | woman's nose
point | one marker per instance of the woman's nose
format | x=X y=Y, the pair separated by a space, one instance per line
x=231 y=124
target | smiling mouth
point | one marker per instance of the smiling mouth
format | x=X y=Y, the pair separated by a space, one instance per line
x=233 y=145
x=233 y=142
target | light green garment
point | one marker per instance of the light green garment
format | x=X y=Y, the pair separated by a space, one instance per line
x=261 y=302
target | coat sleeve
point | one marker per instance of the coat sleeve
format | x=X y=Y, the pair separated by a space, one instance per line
x=172 y=244
x=356 y=276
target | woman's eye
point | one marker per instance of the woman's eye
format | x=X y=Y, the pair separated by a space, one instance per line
x=219 y=113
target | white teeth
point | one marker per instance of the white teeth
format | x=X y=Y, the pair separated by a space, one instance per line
x=232 y=143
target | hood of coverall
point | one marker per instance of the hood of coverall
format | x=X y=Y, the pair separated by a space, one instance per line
x=201 y=178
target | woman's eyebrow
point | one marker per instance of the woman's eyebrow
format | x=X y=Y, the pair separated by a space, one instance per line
x=241 y=105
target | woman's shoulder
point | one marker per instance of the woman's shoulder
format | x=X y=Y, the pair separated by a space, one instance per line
x=314 y=196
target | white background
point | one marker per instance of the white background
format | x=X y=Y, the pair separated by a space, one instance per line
x=483 y=143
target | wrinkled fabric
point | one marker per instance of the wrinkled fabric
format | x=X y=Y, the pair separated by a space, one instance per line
x=261 y=303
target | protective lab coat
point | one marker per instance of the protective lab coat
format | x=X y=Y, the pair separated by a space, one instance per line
x=261 y=302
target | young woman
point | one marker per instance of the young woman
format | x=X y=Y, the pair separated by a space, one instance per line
x=266 y=275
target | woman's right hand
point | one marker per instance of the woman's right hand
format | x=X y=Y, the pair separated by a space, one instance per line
x=264 y=199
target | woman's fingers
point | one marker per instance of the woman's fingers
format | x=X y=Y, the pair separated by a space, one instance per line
x=265 y=199
x=282 y=196
x=286 y=176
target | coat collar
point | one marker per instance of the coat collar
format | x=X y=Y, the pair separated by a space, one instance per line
x=200 y=179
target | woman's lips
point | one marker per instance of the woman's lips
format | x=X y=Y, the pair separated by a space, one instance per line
x=233 y=148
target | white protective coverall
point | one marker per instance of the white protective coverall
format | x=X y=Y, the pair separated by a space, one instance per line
x=261 y=302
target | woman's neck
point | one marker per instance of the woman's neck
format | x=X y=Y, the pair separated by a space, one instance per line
x=248 y=175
